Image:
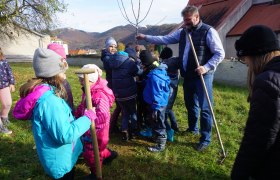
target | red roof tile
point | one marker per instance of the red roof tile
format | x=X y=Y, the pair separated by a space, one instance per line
x=264 y=14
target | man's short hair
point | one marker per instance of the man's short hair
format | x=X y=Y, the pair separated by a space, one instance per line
x=190 y=9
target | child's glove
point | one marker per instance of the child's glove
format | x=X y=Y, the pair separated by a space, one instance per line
x=91 y=114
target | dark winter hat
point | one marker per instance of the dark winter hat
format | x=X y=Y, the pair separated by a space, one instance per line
x=256 y=40
x=166 y=53
x=146 y=57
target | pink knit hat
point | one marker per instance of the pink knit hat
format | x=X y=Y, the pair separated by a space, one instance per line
x=59 y=49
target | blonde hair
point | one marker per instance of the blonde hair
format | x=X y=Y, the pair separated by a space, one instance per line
x=55 y=81
x=256 y=65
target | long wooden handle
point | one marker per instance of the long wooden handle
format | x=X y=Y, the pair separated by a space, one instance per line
x=207 y=96
x=93 y=129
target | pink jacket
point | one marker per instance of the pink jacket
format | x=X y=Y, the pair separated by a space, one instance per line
x=24 y=107
x=102 y=100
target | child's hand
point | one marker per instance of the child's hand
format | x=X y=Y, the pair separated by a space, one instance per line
x=12 y=88
x=91 y=114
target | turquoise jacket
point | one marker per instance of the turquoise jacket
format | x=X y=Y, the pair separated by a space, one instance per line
x=56 y=134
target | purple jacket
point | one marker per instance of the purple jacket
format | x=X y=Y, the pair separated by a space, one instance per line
x=6 y=75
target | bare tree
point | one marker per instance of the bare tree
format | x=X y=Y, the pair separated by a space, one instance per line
x=136 y=14
x=31 y=14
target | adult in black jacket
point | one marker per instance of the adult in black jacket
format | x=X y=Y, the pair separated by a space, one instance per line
x=259 y=153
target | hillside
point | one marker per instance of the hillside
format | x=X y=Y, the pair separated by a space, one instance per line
x=81 y=39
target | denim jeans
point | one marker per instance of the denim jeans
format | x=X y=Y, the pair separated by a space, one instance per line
x=157 y=122
x=169 y=112
x=196 y=104
x=129 y=117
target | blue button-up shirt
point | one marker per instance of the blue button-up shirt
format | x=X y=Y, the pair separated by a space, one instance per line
x=212 y=39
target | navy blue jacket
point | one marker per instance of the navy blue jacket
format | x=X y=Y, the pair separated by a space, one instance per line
x=124 y=69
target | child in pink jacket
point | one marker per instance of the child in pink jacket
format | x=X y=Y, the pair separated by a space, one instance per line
x=102 y=100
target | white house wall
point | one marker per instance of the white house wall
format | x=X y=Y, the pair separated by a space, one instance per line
x=23 y=45
x=230 y=49
x=231 y=72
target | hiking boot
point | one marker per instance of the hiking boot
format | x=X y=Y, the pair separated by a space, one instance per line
x=156 y=148
x=147 y=132
x=109 y=159
x=170 y=135
x=4 y=129
x=161 y=141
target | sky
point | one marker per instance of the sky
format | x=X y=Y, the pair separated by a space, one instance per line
x=102 y=15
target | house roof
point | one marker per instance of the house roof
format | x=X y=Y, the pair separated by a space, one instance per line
x=264 y=14
x=214 y=12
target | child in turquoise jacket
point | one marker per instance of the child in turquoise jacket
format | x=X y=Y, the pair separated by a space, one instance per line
x=56 y=133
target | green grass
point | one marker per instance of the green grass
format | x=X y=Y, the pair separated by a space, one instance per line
x=18 y=159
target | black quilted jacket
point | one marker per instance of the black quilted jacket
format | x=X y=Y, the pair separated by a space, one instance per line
x=259 y=153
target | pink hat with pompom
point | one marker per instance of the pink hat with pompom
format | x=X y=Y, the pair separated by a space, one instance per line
x=59 y=49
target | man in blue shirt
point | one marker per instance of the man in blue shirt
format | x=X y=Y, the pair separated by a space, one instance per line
x=210 y=53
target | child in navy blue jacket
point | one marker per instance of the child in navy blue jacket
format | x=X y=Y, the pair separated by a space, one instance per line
x=156 y=92
x=124 y=69
x=106 y=57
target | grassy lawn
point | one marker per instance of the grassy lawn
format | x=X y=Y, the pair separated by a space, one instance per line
x=19 y=160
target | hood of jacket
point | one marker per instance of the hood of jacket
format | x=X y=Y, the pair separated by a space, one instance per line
x=160 y=72
x=118 y=60
x=101 y=86
x=24 y=107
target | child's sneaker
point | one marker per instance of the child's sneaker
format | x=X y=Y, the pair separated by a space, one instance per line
x=5 y=121
x=146 y=132
x=4 y=129
x=170 y=135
